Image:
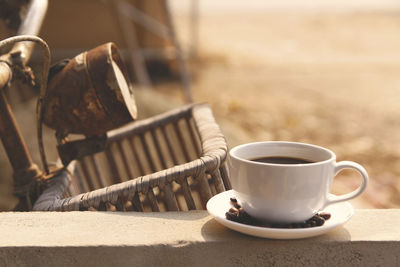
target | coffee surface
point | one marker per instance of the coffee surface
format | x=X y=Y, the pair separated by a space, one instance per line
x=282 y=160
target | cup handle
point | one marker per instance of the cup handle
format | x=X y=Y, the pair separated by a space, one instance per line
x=331 y=199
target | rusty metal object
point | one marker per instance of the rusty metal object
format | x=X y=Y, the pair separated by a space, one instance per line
x=90 y=95
x=26 y=174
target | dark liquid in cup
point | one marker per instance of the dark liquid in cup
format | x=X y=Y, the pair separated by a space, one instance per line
x=282 y=160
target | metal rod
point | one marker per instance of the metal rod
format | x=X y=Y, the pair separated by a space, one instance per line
x=11 y=136
x=143 y=19
x=126 y=10
x=184 y=70
x=194 y=25
x=129 y=34
x=25 y=172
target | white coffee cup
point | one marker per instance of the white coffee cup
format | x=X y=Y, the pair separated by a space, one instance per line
x=287 y=193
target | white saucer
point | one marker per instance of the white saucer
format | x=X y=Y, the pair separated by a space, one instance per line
x=219 y=204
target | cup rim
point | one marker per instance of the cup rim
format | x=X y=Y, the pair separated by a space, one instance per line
x=236 y=148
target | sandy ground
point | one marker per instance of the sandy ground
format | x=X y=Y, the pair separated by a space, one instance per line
x=325 y=77
x=328 y=78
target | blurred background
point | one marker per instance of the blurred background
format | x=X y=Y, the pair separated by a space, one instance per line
x=325 y=73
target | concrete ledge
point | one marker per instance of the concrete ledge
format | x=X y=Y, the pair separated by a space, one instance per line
x=370 y=238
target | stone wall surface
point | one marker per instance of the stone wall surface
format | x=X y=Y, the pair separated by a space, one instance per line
x=370 y=238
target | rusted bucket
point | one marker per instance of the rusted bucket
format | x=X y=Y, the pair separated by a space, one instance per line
x=91 y=94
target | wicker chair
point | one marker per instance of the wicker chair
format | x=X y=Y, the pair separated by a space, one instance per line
x=171 y=162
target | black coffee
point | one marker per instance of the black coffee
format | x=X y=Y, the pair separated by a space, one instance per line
x=282 y=160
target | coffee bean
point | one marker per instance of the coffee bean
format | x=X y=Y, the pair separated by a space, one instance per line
x=237 y=206
x=238 y=214
x=232 y=216
x=325 y=215
x=232 y=210
x=319 y=220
